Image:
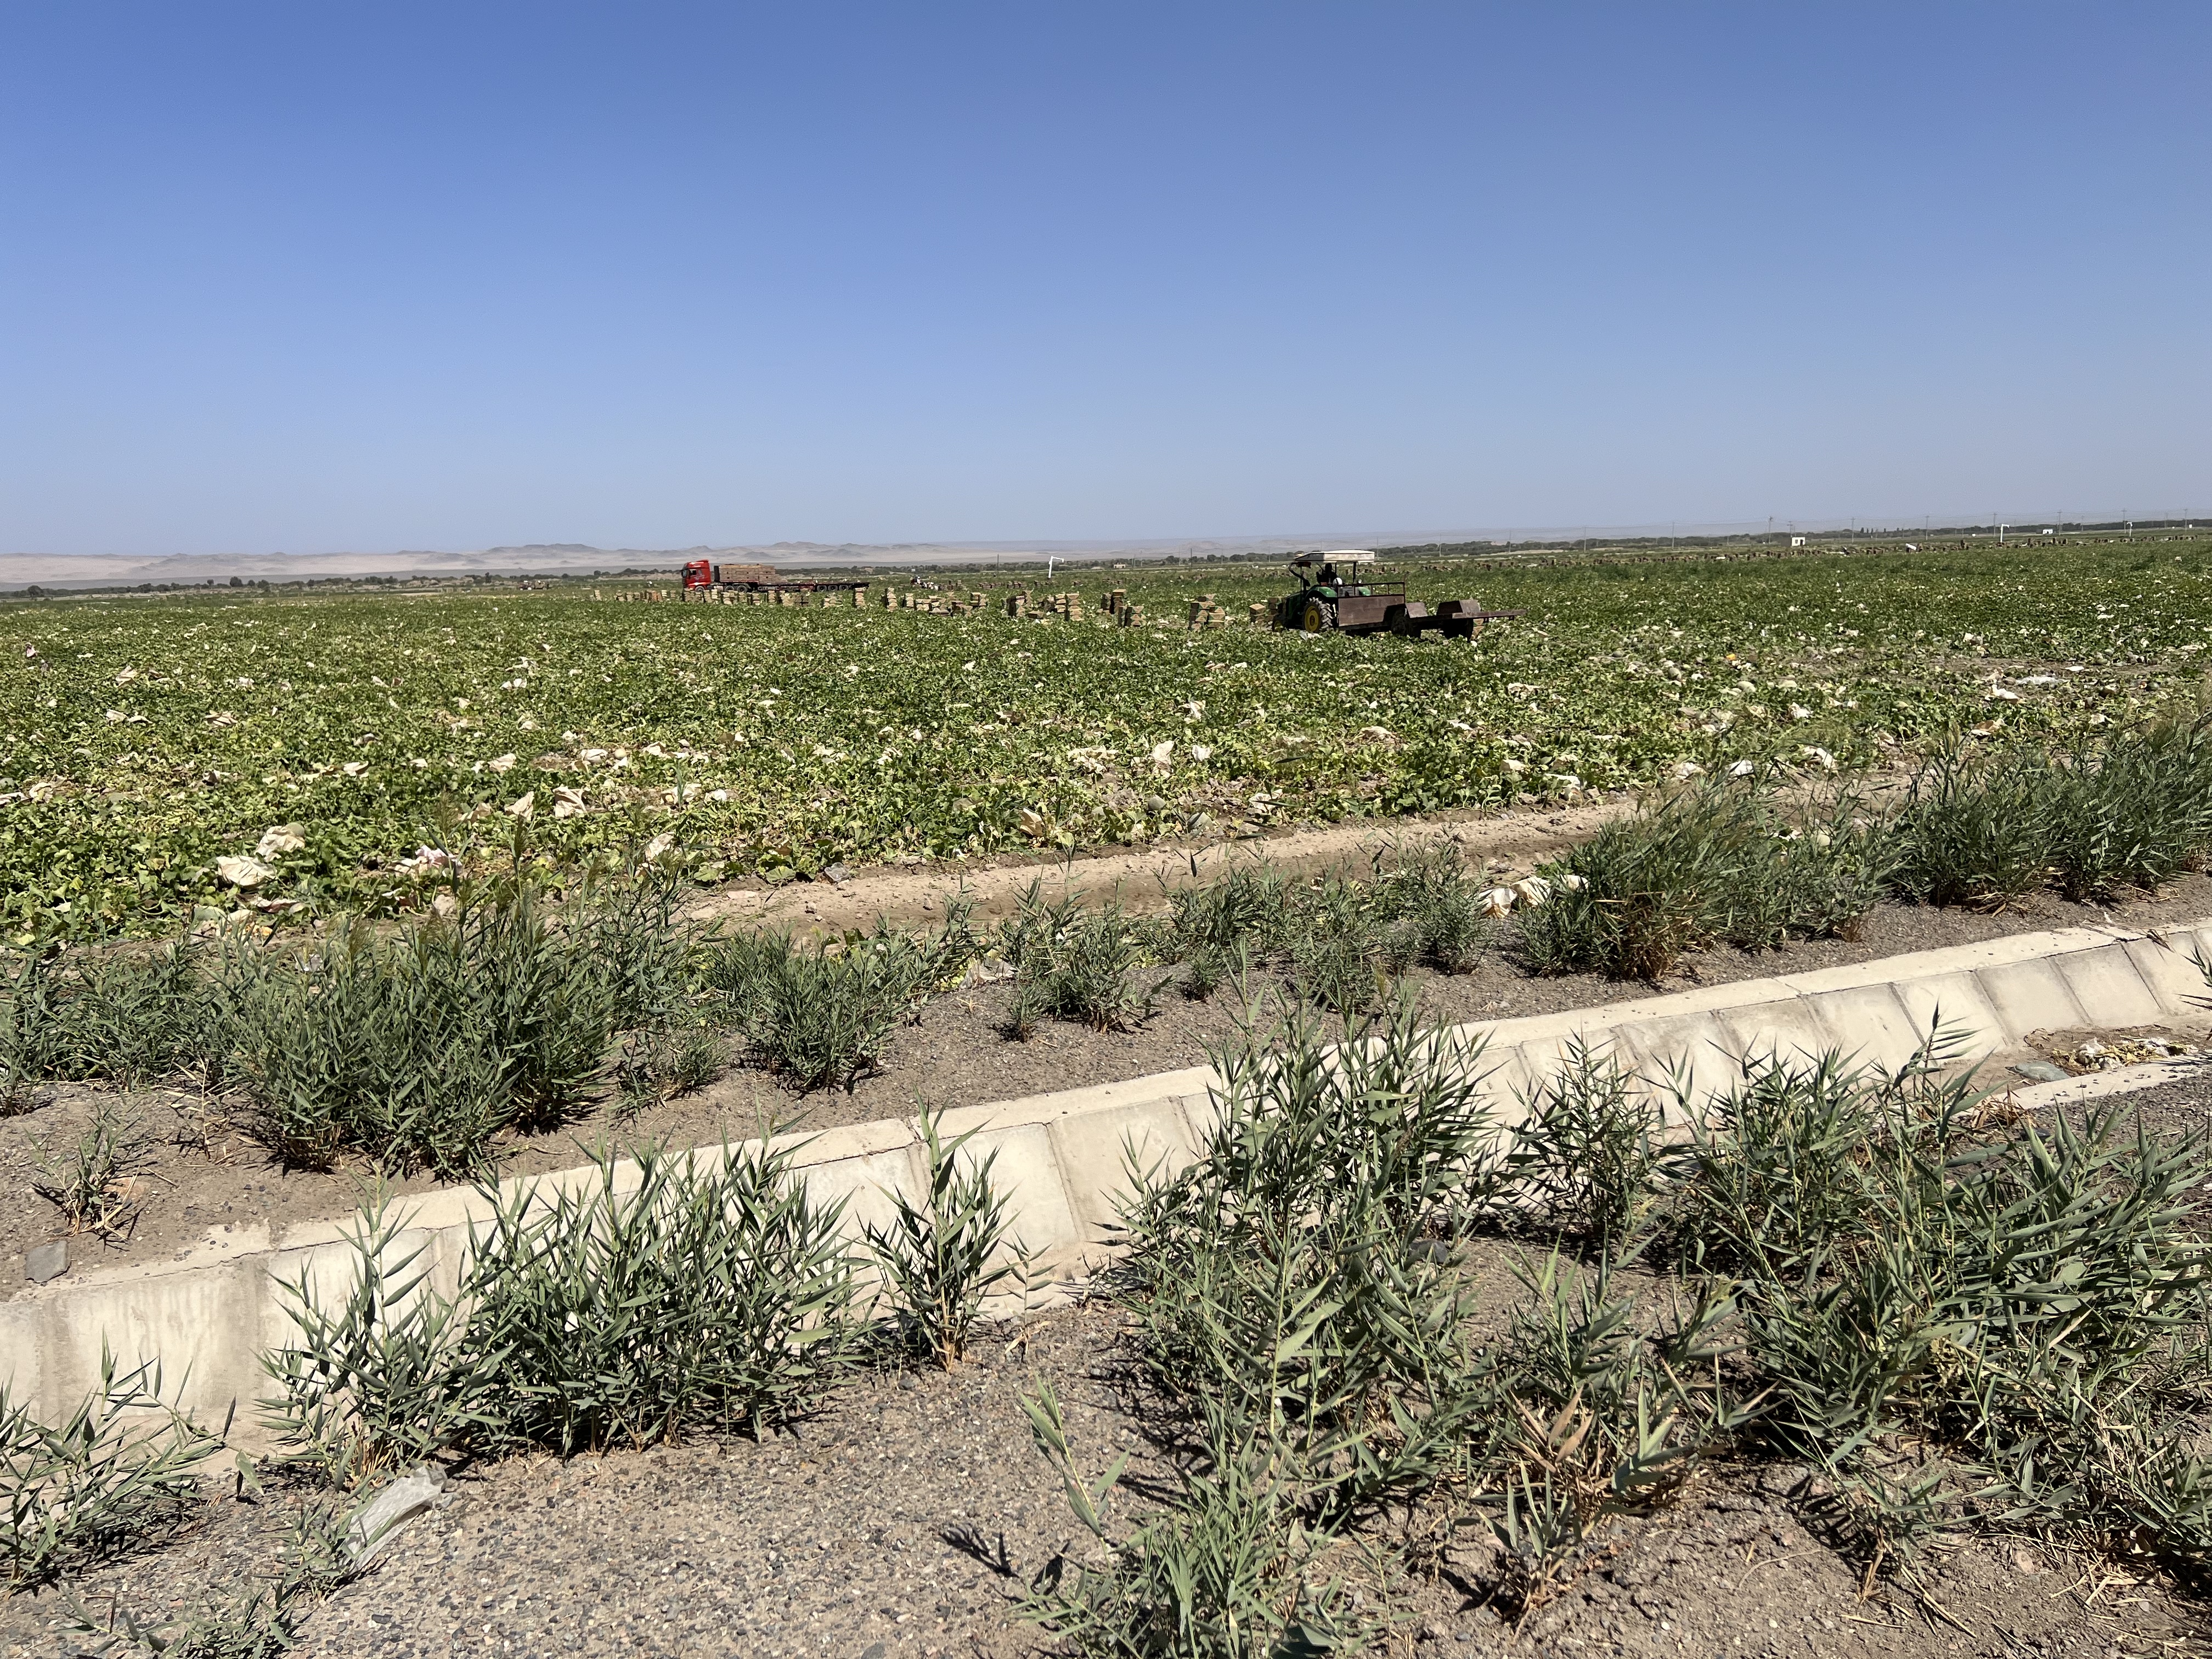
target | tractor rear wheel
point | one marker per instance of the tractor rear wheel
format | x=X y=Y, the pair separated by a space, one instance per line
x=1320 y=616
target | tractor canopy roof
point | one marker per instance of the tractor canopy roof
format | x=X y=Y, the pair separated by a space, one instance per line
x=1342 y=555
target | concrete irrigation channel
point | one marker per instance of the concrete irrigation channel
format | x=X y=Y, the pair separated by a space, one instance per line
x=209 y=1314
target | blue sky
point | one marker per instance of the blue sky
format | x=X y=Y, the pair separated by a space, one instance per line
x=317 y=278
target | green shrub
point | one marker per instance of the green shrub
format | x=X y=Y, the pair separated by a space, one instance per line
x=1595 y=1413
x=123 y=1466
x=818 y=1014
x=417 y=1045
x=1589 y=1150
x=1241 y=913
x=713 y=1297
x=1972 y=833
x=2133 y=818
x=421 y=1049
x=708 y=1295
x=665 y=1063
x=385 y=1376
x=1227 y=1568
x=1428 y=892
x=1339 y=936
x=1719 y=863
x=1315 y=1198
x=1082 y=963
x=127 y=1016
x=940 y=1257
x=1293 y=1297
x=98 y=1184
x=627 y=929
x=1289 y=1305
x=1982 y=831
x=1965 y=1319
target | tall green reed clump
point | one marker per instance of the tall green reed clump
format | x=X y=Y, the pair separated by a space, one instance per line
x=2133 y=818
x=822 y=1013
x=381 y=1373
x=420 y=1048
x=1296 y=1301
x=2137 y=815
x=1291 y=1310
x=714 y=1298
x=1718 y=863
x=2096 y=821
x=416 y=1044
x=1220 y=930
x=1971 y=832
x=710 y=1295
x=943 y=1252
x=1965 y=1318
x=1077 y=962
x=1339 y=940
x=120 y=1470
x=126 y=1016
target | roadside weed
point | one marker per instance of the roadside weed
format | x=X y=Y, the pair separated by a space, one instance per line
x=384 y=1376
x=99 y=1183
x=941 y=1256
x=121 y=1469
x=711 y=1295
x=1716 y=863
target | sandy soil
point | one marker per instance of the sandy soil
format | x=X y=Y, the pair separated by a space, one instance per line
x=914 y=896
x=205 y=1177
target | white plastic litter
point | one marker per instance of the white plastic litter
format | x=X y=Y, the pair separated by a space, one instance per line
x=379 y=1520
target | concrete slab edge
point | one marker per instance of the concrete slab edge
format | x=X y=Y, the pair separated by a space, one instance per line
x=209 y=1314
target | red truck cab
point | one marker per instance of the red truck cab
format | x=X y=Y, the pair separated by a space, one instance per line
x=700 y=573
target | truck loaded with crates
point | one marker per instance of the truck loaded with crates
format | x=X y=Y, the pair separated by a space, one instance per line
x=1341 y=591
x=704 y=578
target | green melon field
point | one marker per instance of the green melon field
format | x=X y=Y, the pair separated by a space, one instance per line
x=149 y=736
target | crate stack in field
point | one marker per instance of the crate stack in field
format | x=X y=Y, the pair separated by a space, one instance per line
x=1256 y=613
x=1116 y=602
x=1018 y=603
x=1068 y=607
x=1133 y=616
x=1206 y=611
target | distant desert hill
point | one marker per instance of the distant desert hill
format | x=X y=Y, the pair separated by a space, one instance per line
x=20 y=570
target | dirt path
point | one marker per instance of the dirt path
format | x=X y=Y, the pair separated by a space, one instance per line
x=914 y=896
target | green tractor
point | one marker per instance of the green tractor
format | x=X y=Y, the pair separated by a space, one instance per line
x=1340 y=592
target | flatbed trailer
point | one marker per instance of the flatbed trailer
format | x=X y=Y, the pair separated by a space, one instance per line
x=1339 y=593
x=706 y=579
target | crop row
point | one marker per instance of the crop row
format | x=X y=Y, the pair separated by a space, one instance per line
x=423 y=1046
x=147 y=738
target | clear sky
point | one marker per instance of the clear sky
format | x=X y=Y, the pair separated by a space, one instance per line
x=319 y=277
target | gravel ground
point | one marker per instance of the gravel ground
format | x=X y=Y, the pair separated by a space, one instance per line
x=905 y=1521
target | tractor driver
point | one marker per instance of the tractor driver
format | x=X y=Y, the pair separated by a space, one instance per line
x=1334 y=587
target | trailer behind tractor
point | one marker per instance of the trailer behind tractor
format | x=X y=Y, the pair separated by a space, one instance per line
x=1341 y=592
